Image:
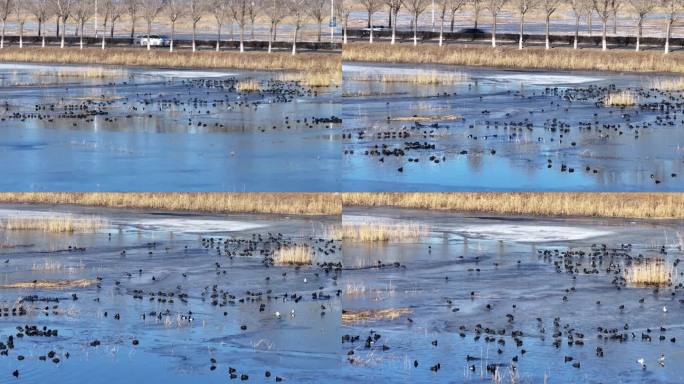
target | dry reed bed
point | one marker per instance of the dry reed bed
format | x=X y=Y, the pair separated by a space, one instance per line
x=51 y=284
x=620 y=99
x=351 y=317
x=622 y=205
x=668 y=85
x=249 y=85
x=650 y=273
x=313 y=204
x=319 y=66
x=294 y=255
x=54 y=224
x=378 y=232
x=508 y=57
x=418 y=78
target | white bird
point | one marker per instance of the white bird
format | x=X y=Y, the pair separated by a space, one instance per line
x=277 y=314
x=664 y=309
x=661 y=360
x=642 y=362
x=305 y=280
x=292 y=313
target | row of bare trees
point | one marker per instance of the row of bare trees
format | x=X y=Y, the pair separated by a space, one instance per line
x=581 y=9
x=240 y=13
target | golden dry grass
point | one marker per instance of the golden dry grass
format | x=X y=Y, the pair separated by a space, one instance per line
x=351 y=317
x=623 y=205
x=378 y=232
x=418 y=78
x=98 y=73
x=509 y=57
x=315 y=64
x=314 y=204
x=51 y=284
x=668 y=85
x=620 y=99
x=249 y=85
x=294 y=255
x=649 y=273
x=53 y=224
x=313 y=79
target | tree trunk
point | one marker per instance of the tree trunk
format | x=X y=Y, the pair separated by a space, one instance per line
x=111 y=34
x=42 y=44
x=218 y=37
x=605 y=32
x=441 y=30
x=394 y=28
x=270 y=39
x=453 y=19
x=477 y=17
x=63 y=32
x=415 y=30
x=494 y=30
x=667 y=36
x=2 y=37
x=370 y=21
x=133 y=28
x=173 y=35
x=57 y=34
x=21 y=34
x=590 y=23
x=369 y=18
x=149 y=33
x=345 y=32
x=547 y=38
x=639 y=31
x=294 y=40
x=194 y=29
x=390 y=16
x=242 y=37
x=104 y=37
x=522 y=31
x=80 y=37
x=40 y=27
x=577 y=26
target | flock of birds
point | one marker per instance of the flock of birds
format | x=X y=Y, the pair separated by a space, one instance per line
x=180 y=302
x=553 y=127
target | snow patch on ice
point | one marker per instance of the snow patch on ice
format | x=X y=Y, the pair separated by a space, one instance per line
x=193 y=225
x=529 y=233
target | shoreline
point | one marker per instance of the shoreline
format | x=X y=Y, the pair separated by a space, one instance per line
x=508 y=58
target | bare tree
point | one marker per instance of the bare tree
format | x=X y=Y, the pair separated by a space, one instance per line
x=5 y=11
x=173 y=11
x=317 y=11
x=133 y=10
x=276 y=11
x=451 y=6
x=602 y=7
x=297 y=9
x=672 y=9
x=523 y=7
x=63 y=12
x=41 y=10
x=416 y=8
x=239 y=13
x=197 y=9
x=371 y=6
x=455 y=6
x=495 y=7
x=614 y=6
x=112 y=12
x=579 y=8
x=83 y=11
x=477 y=6
x=150 y=11
x=220 y=11
x=549 y=7
x=641 y=8
x=394 y=7
x=252 y=13
x=20 y=12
